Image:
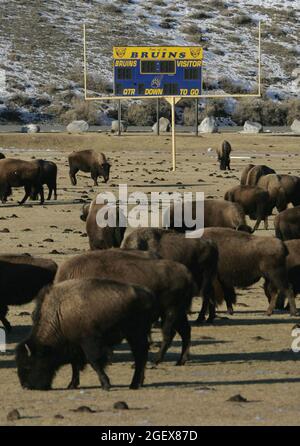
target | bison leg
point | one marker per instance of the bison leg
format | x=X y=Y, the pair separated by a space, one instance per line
x=72 y=174
x=50 y=192
x=41 y=192
x=168 y=332
x=94 y=175
x=266 y=223
x=183 y=328
x=75 y=381
x=98 y=358
x=27 y=194
x=280 y=284
x=139 y=346
x=3 y=313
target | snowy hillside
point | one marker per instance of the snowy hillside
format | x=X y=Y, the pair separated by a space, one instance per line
x=41 y=45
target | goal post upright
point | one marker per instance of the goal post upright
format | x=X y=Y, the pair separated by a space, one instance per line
x=172 y=99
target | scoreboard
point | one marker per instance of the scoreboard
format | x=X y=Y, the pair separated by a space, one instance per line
x=157 y=71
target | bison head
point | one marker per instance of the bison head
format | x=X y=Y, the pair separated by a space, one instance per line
x=35 y=368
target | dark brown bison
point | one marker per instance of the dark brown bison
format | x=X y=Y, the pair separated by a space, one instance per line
x=100 y=237
x=255 y=202
x=291 y=186
x=246 y=258
x=48 y=177
x=217 y=213
x=223 y=153
x=245 y=172
x=272 y=184
x=199 y=256
x=80 y=321
x=287 y=224
x=2 y=156
x=19 y=173
x=88 y=161
x=21 y=278
x=170 y=281
x=256 y=173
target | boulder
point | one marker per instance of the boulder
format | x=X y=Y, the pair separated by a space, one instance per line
x=252 y=127
x=296 y=126
x=164 y=125
x=77 y=127
x=115 y=126
x=30 y=128
x=208 y=125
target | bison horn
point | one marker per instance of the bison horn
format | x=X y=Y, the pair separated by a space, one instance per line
x=28 y=350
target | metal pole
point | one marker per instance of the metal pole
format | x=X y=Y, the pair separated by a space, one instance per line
x=173 y=135
x=119 y=117
x=259 y=58
x=196 y=117
x=157 y=116
x=84 y=62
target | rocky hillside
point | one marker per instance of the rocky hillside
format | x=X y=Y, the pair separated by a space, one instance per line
x=41 y=45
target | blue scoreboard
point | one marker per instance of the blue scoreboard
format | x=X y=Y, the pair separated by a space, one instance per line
x=157 y=71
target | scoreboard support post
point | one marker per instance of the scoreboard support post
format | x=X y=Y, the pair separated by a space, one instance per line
x=119 y=117
x=157 y=116
x=196 y=116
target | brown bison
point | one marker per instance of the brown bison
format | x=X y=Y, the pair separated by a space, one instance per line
x=256 y=173
x=199 y=256
x=245 y=172
x=287 y=224
x=2 y=156
x=21 y=278
x=245 y=258
x=19 y=173
x=217 y=213
x=291 y=186
x=255 y=202
x=272 y=184
x=223 y=153
x=48 y=177
x=88 y=161
x=102 y=237
x=170 y=281
x=80 y=321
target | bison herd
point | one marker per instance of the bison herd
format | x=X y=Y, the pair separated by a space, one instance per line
x=128 y=281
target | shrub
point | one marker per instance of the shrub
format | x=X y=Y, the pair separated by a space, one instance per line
x=243 y=19
x=112 y=9
x=81 y=110
x=293 y=110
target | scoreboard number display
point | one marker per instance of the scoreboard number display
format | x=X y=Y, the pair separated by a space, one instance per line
x=158 y=71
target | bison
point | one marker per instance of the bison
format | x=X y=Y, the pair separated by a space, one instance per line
x=199 y=256
x=272 y=184
x=21 y=278
x=223 y=153
x=291 y=187
x=170 y=281
x=2 y=156
x=217 y=213
x=88 y=161
x=244 y=175
x=80 y=321
x=246 y=258
x=19 y=173
x=255 y=202
x=287 y=224
x=102 y=237
x=48 y=177
x=256 y=173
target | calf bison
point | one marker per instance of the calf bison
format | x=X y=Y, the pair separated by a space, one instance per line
x=246 y=258
x=19 y=173
x=170 y=281
x=48 y=177
x=102 y=237
x=199 y=256
x=223 y=153
x=217 y=213
x=255 y=202
x=272 y=184
x=256 y=173
x=21 y=278
x=78 y=322
x=88 y=161
x=287 y=224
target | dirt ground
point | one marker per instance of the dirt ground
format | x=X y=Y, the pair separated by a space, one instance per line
x=247 y=353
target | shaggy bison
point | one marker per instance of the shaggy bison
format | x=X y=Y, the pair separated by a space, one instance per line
x=48 y=176
x=80 y=321
x=287 y=224
x=199 y=256
x=217 y=213
x=102 y=237
x=255 y=202
x=256 y=172
x=245 y=172
x=246 y=258
x=21 y=278
x=272 y=184
x=88 y=161
x=19 y=173
x=291 y=186
x=170 y=281
x=223 y=153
